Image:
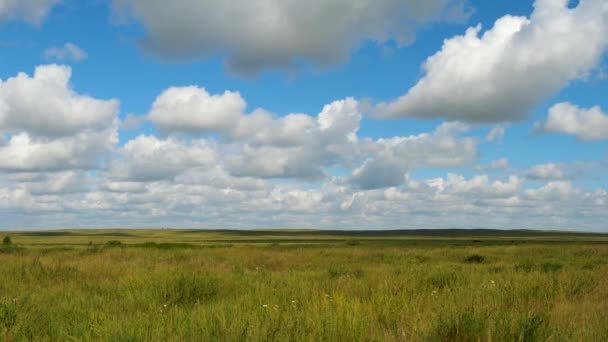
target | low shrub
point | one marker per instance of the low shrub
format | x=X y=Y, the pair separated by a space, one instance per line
x=474 y=259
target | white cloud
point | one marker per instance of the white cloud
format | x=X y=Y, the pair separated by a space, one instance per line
x=192 y=110
x=585 y=124
x=260 y=144
x=147 y=158
x=32 y=11
x=68 y=51
x=45 y=105
x=132 y=122
x=49 y=127
x=498 y=164
x=496 y=134
x=26 y=153
x=548 y=171
x=258 y=35
x=553 y=191
x=501 y=75
x=397 y=156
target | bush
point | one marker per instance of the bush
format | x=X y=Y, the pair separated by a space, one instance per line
x=474 y=259
x=7 y=241
x=114 y=243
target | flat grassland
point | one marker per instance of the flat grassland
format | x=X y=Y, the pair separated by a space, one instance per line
x=290 y=285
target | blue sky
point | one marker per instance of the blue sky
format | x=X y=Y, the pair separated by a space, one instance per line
x=181 y=114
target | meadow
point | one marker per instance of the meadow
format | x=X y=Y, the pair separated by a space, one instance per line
x=189 y=285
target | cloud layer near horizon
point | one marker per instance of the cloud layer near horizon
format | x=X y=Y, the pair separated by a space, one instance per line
x=218 y=164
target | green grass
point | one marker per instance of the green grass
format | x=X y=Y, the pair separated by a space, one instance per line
x=197 y=285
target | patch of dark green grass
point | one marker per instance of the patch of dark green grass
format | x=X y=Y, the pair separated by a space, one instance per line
x=474 y=259
x=551 y=266
x=442 y=279
x=337 y=271
x=467 y=326
x=534 y=327
x=190 y=288
x=525 y=266
x=164 y=245
x=114 y=244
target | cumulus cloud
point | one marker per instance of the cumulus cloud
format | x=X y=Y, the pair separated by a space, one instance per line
x=45 y=105
x=397 y=156
x=193 y=110
x=501 y=75
x=49 y=127
x=258 y=35
x=586 y=124
x=548 y=171
x=260 y=144
x=32 y=11
x=553 y=191
x=68 y=51
x=147 y=158
x=498 y=164
x=445 y=202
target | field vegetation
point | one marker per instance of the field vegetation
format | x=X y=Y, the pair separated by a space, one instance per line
x=167 y=285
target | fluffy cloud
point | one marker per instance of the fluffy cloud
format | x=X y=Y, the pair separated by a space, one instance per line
x=397 y=156
x=548 y=171
x=259 y=144
x=32 y=11
x=147 y=158
x=446 y=202
x=193 y=110
x=585 y=124
x=257 y=35
x=49 y=127
x=501 y=75
x=68 y=51
x=26 y=153
x=553 y=191
x=45 y=105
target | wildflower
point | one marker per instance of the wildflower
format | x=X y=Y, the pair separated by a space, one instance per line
x=265 y=305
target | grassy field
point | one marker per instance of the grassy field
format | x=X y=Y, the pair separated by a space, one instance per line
x=188 y=285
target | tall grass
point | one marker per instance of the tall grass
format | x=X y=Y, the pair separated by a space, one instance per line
x=346 y=292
